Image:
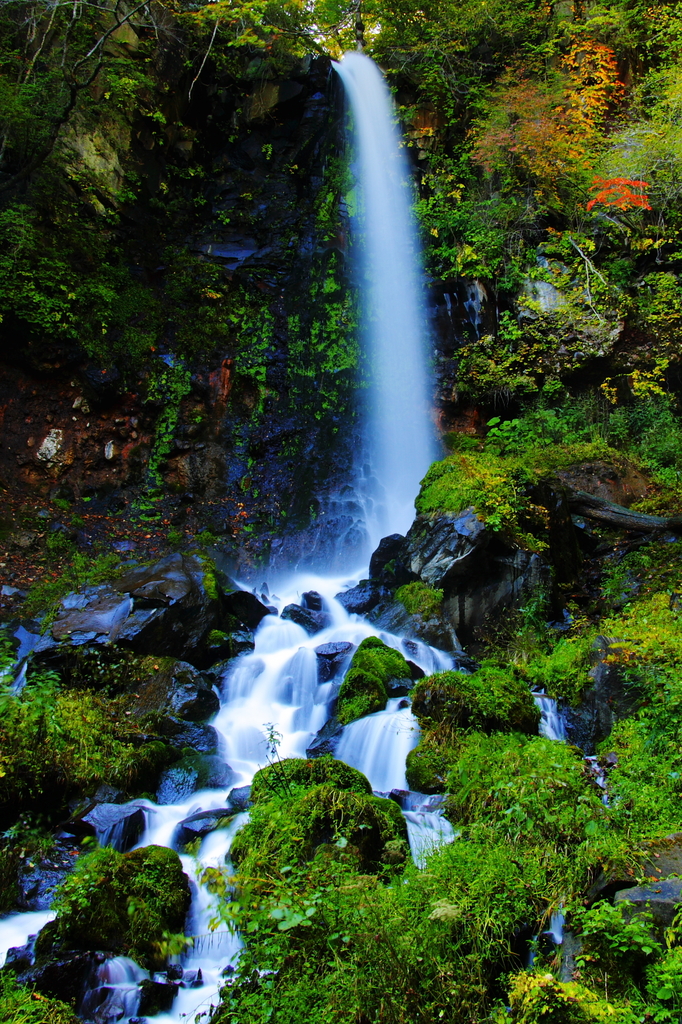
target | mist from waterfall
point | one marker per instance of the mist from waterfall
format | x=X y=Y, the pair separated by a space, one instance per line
x=400 y=436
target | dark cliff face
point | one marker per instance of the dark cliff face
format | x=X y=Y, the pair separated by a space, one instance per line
x=232 y=372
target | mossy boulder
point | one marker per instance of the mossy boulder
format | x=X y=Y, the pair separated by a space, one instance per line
x=427 y=766
x=491 y=698
x=320 y=822
x=363 y=690
x=285 y=777
x=121 y=903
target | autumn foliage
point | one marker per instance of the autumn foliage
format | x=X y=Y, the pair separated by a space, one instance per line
x=618 y=192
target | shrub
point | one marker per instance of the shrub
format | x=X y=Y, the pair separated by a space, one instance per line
x=524 y=789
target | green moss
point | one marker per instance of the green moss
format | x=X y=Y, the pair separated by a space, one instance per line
x=536 y=997
x=427 y=766
x=217 y=637
x=321 y=820
x=127 y=903
x=22 y=1006
x=490 y=698
x=419 y=599
x=285 y=777
x=363 y=690
x=524 y=789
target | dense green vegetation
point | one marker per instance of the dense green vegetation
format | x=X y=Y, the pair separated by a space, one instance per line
x=363 y=689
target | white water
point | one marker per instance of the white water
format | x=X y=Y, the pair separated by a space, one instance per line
x=278 y=685
x=17 y=929
x=400 y=433
x=552 y=725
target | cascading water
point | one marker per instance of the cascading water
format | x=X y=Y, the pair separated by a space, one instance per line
x=400 y=436
x=278 y=687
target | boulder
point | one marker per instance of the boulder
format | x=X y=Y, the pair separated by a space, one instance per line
x=38 y=877
x=312 y=622
x=117 y=825
x=664 y=858
x=436 y=630
x=362 y=598
x=174 y=688
x=156 y=996
x=661 y=899
x=179 y=734
x=445 y=549
x=332 y=659
x=198 y=825
x=171 y=607
x=604 y=702
x=326 y=740
x=388 y=563
x=246 y=608
x=193 y=772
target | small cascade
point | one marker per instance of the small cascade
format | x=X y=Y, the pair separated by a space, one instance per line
x=17 y=929
x=552 y=725
x=598 y=773
x=473 y=305
x=378 y=744
x=556 y=928
x=114 y=994
x=427 y=828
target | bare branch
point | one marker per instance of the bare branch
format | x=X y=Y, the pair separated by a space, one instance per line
x=203 y=63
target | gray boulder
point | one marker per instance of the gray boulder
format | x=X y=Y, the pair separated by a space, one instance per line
x=196 y=771
x=661 y=899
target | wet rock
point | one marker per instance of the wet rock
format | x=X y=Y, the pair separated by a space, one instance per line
x=170 y=607
x=246 y=608
x=194 y=979
x=178 y=734
x=156 y=996
x=20 y=958
x=478 y=570
x=326 y=740
x=62 y=976
x=362 y=598
x=332 y=659
x=239 y=799
x=198 y=825
x=177 y=689
x=398 y=687
x=117 y=825
x=312 y=622
x=437 y=630
x=313 y=601
x=388 y=563
x=604 y=703
x=196 y=771
x=38 y=878
x=661 y=899
x=444 y=549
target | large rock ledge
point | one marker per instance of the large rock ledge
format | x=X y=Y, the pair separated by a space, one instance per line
x=174 y=607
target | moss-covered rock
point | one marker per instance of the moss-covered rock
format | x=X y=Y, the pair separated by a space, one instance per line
x=322 y=821
x=284 y=778
x=123 y=903
x=491 y=698
x=427 y=766
x=363 y=690
x=524 y=790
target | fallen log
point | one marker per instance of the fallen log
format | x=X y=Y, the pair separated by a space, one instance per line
x=591 y=507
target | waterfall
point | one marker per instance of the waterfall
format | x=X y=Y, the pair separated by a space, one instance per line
x=400 y=437
x=279 y=688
